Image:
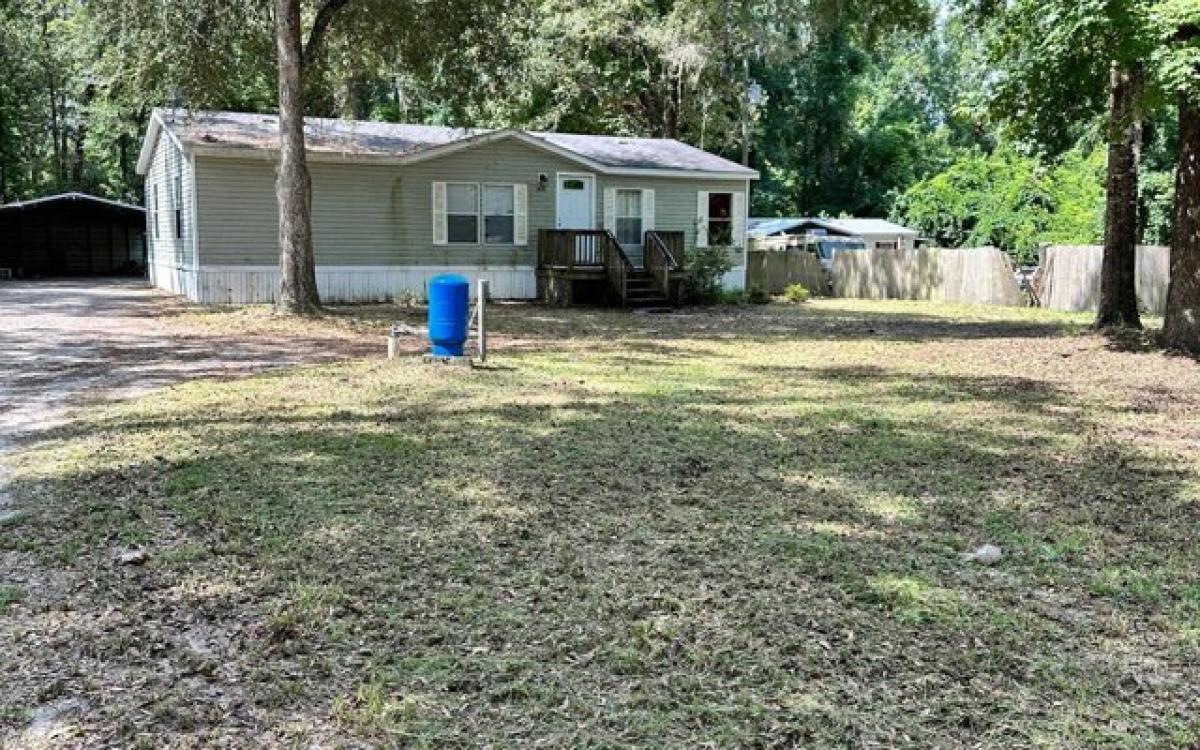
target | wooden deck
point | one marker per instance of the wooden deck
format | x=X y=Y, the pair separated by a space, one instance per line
x=589 y=265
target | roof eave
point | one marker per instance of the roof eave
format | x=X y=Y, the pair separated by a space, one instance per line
x=272 y=154
x=154 y=131
x=158 y=125
x=149 y=141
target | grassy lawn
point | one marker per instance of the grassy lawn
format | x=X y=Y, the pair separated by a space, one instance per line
x=737 y=528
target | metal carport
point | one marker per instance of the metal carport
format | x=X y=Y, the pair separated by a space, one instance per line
x=72 y=234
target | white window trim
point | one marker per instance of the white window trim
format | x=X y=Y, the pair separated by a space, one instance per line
x=177 y=217
x=641 y=215
x=478 y=214
x=731 y=220
x=511 y=187
x=154 y=210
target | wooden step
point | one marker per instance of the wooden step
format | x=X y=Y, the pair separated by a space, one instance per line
x=647 y=300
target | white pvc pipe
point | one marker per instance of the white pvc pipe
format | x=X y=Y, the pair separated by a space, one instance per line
x=482 y=302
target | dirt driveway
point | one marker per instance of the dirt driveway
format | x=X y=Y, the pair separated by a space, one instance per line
x=72 y=340
x=64 y=342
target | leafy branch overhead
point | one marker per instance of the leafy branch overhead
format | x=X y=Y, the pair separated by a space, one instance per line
x=316 y=35
x=1179 y=56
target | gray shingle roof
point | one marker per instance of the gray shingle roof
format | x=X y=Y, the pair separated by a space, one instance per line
x=253 y=131
x=240 y=130
x=640 y=153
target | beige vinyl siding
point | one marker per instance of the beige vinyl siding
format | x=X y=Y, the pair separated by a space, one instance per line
x=355 y=219
x=502 y=163
x=675 y=203
x=382 y=215
x=168 y=250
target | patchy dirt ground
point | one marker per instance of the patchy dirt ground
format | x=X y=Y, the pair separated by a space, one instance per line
x=68 y=343
x=727 y=528
x=76 y=340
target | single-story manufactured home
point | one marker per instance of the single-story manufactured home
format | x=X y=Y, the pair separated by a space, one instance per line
x=877 y=234
x=71 y=234
x=393 y=205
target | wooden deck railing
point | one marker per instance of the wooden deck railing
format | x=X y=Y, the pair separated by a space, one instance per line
x=659 y=258
x=571 y=249
x=568 y=248
x=616 y=264
x=674 y=243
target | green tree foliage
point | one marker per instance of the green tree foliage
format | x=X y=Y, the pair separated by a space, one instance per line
x=1010 y=200
x=1052 y=60
x=43 y=99
x=674 y=68
x=853 y=122
x=864 y=100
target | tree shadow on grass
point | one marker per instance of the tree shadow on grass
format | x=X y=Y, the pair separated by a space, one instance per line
x=704 y=565
x=528 y=324
x=1142 y=341
x=765 y=324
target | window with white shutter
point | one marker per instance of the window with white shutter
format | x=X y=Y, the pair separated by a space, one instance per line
x=154 y=210
x=177 y=202
x=610 y=209
x=720 y=219
x=439 y=213
x=629 y=217
x=520 y=215
x=462 y=213
x=499 y=214
x=739 y=219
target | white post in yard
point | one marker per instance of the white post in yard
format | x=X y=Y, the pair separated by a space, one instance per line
x=483 y=294
x=393 y=343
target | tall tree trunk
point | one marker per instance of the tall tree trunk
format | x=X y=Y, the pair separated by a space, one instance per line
x=293 y=187
x=349 y=100
x=3 y=165
x=56 y=129
x=1181 y=329
x=80 y=159
x=1118 y=291
x=123 y=157
x=747 y=112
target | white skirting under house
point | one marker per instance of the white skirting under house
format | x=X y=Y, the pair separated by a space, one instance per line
x=242 y=285
x=247 y=285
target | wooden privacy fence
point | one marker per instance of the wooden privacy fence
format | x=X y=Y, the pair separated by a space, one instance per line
x=978 y=276
x=1069 y=277
x=773 y=271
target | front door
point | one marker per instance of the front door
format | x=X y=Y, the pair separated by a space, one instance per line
x=576 y=204
x=576 y=201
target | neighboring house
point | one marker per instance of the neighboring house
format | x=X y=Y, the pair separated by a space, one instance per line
x=394 y=205
x=876 y=233
x=72 y=234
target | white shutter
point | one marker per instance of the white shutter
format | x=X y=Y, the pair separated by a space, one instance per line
x=610 y=209
x=647 y=211
x=702 y=219
x=439 y=213
x=739 y=219
x=520 y=215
